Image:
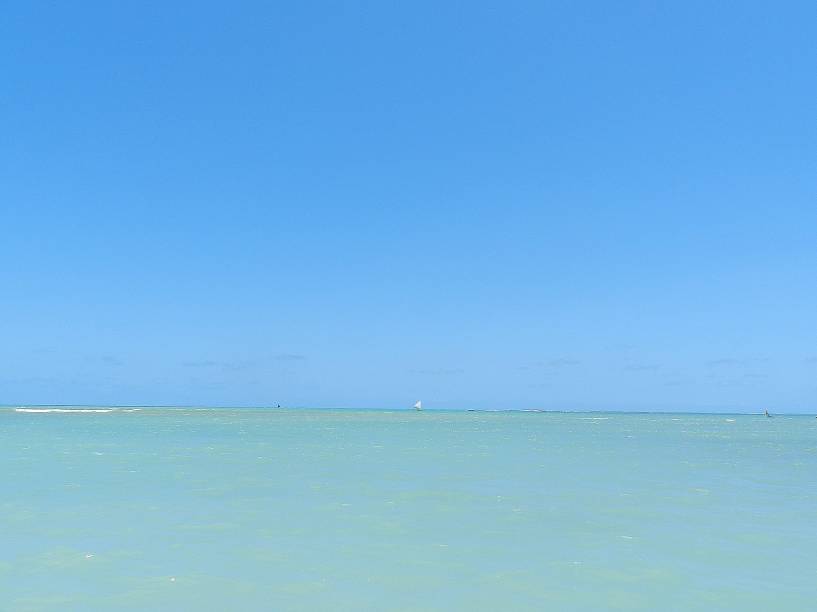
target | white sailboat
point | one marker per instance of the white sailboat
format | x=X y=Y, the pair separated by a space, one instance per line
x=418 y=405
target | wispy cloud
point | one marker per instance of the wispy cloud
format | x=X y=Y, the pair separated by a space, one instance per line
x=551 y=364
x=620 y=346
x=642 y=367
x=109 y=360
x=227 y=366
x=290 y=357
x=439 y=371
x=201 y=364
x=729 y=362
x=239 y=365
x=541 y=385
x=725 y=361
x=31 y=380
x=562 y=362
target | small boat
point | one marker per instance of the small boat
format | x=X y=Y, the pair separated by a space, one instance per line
x=766 y=412
x=418 y=405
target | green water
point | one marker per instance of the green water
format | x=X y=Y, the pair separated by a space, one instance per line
x=164 y=509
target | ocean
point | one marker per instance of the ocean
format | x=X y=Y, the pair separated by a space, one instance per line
x=272 y=509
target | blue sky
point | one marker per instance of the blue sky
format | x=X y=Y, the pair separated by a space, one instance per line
x=517 y=204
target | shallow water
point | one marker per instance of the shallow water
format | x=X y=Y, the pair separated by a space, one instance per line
x=183 y=509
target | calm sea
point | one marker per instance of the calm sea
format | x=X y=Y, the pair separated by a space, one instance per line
x=184 y=509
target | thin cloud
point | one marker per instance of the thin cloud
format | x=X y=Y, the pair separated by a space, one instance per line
x=238 y=365
x=551 y=364
x=32 y=380
x=227 y=366
x=642 y=367
x=562 y=362
x=619 y=346
x=733 y=362
x=439 y=371
x=726 y=361
x=109 y=360
x=541 y=385
x=201 y=364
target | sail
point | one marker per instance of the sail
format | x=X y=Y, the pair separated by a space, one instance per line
x=418 y=406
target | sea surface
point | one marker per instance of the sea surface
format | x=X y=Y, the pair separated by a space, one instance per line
x=253 y=509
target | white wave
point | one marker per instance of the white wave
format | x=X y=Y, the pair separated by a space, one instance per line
x=64 y=410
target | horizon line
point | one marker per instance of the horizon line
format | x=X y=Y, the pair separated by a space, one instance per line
x=350 y=408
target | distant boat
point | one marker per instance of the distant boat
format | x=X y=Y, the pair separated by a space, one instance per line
x=766 y=412
x=418 y=406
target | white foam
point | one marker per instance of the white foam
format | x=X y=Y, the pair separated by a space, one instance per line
x=63 y=410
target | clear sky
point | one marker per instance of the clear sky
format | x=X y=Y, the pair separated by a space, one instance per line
x=492 y=205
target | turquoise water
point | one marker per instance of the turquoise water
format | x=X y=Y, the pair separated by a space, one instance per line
x=165 y=509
